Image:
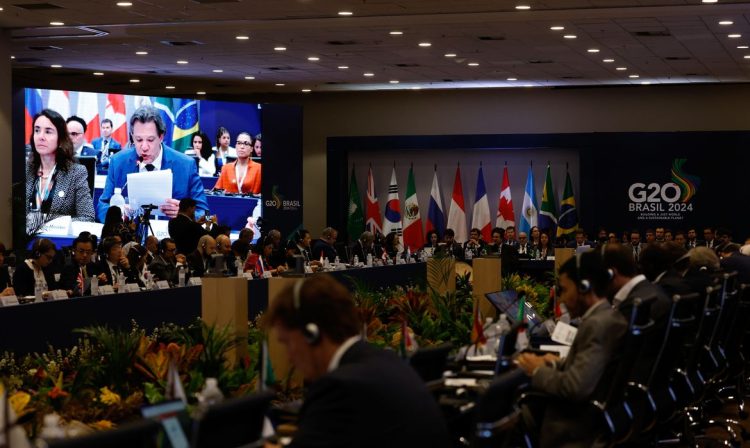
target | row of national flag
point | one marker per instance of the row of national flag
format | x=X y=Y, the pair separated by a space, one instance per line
x=407 y=221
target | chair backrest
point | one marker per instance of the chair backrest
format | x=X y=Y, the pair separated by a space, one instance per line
x=430 y=362
x=234 y=422
x=729 y=305
x=141 y=434
x=731 y=338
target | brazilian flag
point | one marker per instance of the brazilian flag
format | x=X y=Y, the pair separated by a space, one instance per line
x=164 y=106
x=567 y=222
x=186 y=119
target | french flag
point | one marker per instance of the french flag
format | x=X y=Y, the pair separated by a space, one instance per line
x=457 y=211
x=374 y=222
x=392 y=208
x=480 y=216
x=435 y=215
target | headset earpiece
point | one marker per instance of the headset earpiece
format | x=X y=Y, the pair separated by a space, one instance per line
x=310 y=330
x=584 y=285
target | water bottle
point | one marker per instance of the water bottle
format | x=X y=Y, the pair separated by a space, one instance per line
x=117 y=200
x=468 y=255
x=238 y=267
x=356 y=260
x=121 y=282
x=210 y=395
x=38 y=290
x=181 y=276
x=503 y=323
x=369 y=260
x=336 y=261
x=94 y=285
x=51 y=429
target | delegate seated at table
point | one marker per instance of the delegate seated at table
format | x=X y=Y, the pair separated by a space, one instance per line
x=242 y=175
x=36 y=269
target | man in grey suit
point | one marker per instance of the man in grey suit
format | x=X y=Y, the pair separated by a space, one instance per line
x=582 y=376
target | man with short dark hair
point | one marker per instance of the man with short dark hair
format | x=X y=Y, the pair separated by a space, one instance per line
x=709 y=238
x=105 y=145
x=635 y=244
x=732 y=260
x=692 y=240
x=76 y=275
x=358 y=395
x=450 y=246
x=77 y=132
x=166 y=264
x=184 y=229
x=325 y=246
x=147 y=130
x=510 y=236
x=650 y=236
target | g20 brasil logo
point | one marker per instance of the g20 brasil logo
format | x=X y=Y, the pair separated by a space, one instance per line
x=676 y=194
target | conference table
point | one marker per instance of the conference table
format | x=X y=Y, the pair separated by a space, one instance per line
x=31 y=327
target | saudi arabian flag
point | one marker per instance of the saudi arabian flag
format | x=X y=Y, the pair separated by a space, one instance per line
x=567 y=222
x=355 y=222
x=548 y=212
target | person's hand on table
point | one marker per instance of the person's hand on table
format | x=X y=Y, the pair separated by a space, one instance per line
x=102 y=277
x=170 y=207
x=180 y=258
x=529 y=362
x=9 y=291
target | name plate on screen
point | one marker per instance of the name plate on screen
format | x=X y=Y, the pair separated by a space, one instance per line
x=8 y=300
x=106 y=289
x=131 y=287
x=161 y=228
x=162 y=284
x=59 y=294
x=195 y=281
x=57 y=227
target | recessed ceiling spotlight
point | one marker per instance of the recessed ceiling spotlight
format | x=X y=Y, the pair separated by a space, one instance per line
x=633 y=76
x=747 y=56
x=570 y=36
x=141 y=53
x=279 y=84
x=56 y=23
x=557 y=27
x=279 y=48
x=343 y=67
x=734 y=36
x=608 y=60
x=473 y=64
x=425 y=44
x=512 y=79
x=98 y=73
x=621 y=69
x=306 y=90
x=56 y=66
x=200 y=92
x=742 y=47
x=249 y=78
x=217 y=70
x=182 y=62
x=124 y=4
x=726 y=22
x=450 y=55
x=396 y=33
x=416 y=88
x=242 y=37
x=12 y=57
x=135 y=81
x=393 y=81
x=592 y=50
x=369 y=74
x=313 y=59
x=709 y=1
x=345 y=13
x=1 y=9
x=523 y=7
x=169 y=87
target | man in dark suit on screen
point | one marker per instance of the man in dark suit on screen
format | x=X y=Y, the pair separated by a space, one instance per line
x=583 y=375
x=359 y=395
x=184 y=229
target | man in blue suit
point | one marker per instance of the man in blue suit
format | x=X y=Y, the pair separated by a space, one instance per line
x=105 y=145
x=149 y=154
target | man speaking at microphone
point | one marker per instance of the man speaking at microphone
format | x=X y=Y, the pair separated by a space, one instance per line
x=149 y=154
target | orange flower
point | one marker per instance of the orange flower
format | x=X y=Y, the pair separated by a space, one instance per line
x=57 y=392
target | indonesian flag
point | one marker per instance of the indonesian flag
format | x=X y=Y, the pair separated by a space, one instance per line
x=392 y=208
x=435 y=215
x=457 y=213
x=88 y=109
x=505 y=216
x=115 y=111
x=373 y=220
x=480 y=216
x=413 y=236
x=59 y=101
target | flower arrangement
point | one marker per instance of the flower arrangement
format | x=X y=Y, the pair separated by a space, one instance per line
x=539 y=295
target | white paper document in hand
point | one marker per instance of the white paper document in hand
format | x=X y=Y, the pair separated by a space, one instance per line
x=149 y=187
x=564 y=333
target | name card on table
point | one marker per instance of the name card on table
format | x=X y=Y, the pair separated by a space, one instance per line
x=58 y=294
x=8 y=300
x=195 y=281
x=267 y=274
x=131 y=287
x=106 y=289
x=57 y=227
x=248 y=275
x=564 y=333
x=162 y=284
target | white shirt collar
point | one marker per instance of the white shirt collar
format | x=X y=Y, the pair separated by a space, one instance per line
x=624 y=292
x=156 y=163
x=336 y=359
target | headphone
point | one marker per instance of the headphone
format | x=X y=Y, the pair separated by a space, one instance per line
x=310 y=330
x=584 y=285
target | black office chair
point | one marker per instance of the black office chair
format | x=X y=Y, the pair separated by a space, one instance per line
x=141 y=434
x=430 y=362
x=232 y=423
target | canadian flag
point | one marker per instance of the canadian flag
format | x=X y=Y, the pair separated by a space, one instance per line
x=115 y=111
x=505 y=216
x=88 y=110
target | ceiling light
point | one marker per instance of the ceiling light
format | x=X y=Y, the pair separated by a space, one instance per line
x=369 y=74
x=742 y=47
x=249 y=78
x=734 y=36
x=416 y=88
x=396 y=33
x=512 y=79
x=393 y=81
x=343 y=67
x=280 y=84
x=1 y=8
x=523 y=7
x=217 y=70
x=242 y=37
x=557 y=28
x=633 y=76
x=182 y=62
x=608 y=60
x=450 y=55
x=726 y=22
x=425 y=44
x=747 y=56
x=55 y=23
x=709 y=1
x=620 y=69
x=345 y=13
x=645 y=83
x=279 y=48
x=570 y=36
x=12 y=57
x=135 y=81
x=201 y=92
x=473 y=64
x=124 y=4
x=98 y=74
x=313 y=59
x=306 y=90
x=141 y=53
x=593 y=50
x=169 y=87
x=56 y=66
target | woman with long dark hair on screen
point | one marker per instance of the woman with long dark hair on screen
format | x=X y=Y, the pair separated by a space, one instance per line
x=55 y=184
x=207 y=163
x=242 y=175
x=114 y=225
x=222 y=148
x=257 y=146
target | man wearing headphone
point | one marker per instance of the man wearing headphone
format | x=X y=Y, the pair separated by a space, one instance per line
x=166 y=263
x=199 y=261
x=358 y=395
x=582 y=375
